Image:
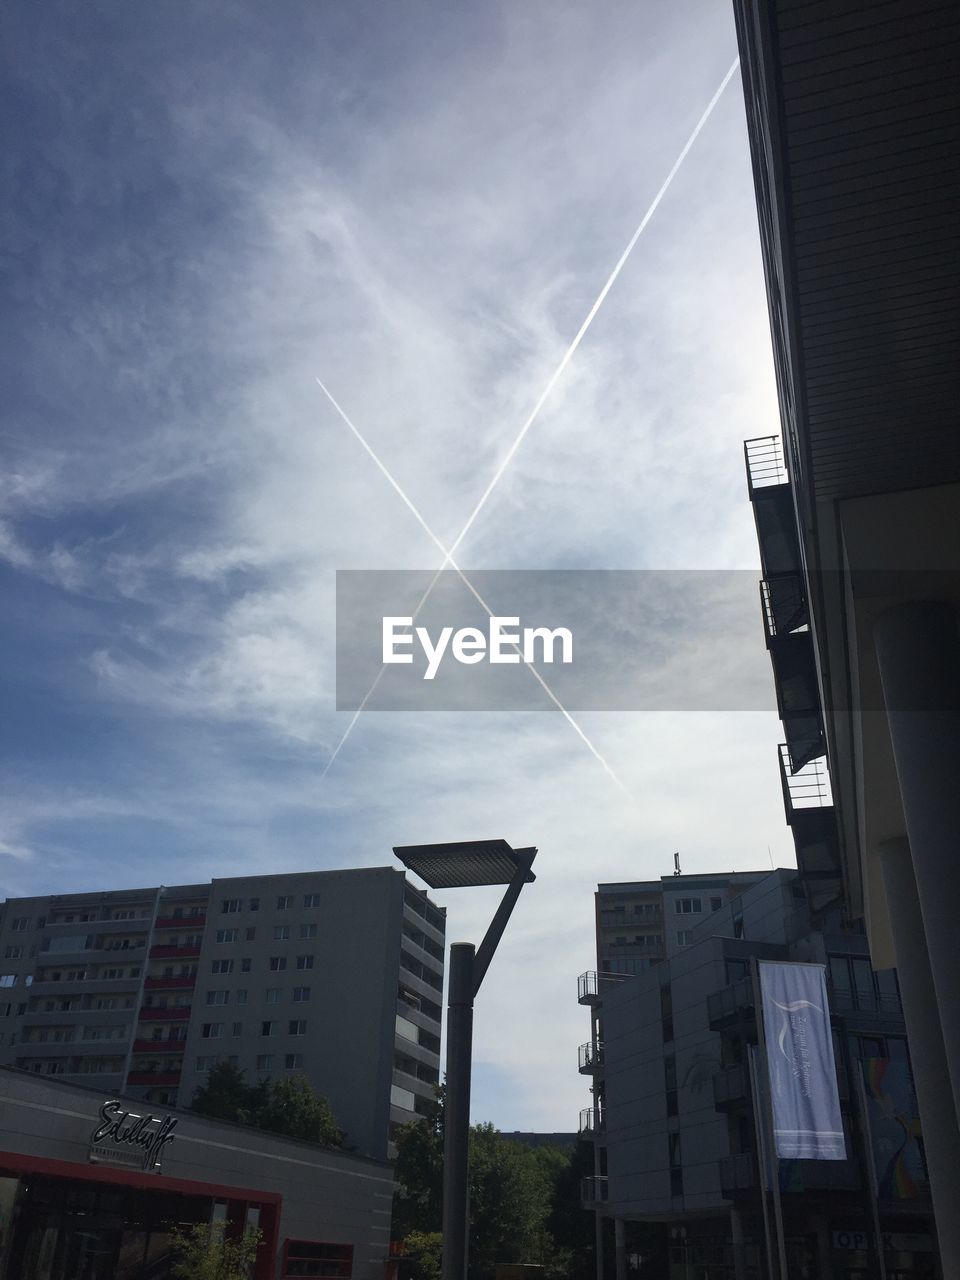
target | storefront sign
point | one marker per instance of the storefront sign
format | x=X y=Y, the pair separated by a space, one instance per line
x=130 y=1139
x=893 y=1241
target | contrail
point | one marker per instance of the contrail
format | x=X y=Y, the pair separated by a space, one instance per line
x=448 y=559
x=591 y=314
x=532 y=416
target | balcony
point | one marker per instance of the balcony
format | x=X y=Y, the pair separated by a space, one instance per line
x=164 y=984
x=591 y=1126
x=154 y=1077
x=772 y=498
x=729 y=1003
x=808 y=805
x=163 y=952
x=591 y=985
x=739 y=1175
x=798 y=694
x=594 y=1192
x=731 y=1088
x=159 y=1046
x=180 y=922
x=177 y=1014
x=591 y=1058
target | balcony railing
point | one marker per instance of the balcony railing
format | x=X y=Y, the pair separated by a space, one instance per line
x=765 y=465
x=806 y=788
x=591 y=985
x=155 y=1014
x=164 y=952
x=181 y=922
x=739 y=1173
x=729 y=1002
x=593 y=1191
x=590 y=1057
x=153 y=1077
x=167 y=984
x=591 y=1124
x=163 y=1047
x=783 y=598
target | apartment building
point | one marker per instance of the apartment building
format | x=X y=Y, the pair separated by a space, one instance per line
x=336 y=974
x=679 y=1129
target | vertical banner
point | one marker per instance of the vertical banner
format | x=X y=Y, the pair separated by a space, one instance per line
x=802 y=1072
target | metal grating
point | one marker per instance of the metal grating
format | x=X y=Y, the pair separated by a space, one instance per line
x=462 y=864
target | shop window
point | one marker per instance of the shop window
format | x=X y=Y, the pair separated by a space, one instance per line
x=315 y=1258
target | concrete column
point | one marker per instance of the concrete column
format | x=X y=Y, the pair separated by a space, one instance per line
x=918 y=652
x=620 y=1238
x=938 y=1117
x=736 y=1240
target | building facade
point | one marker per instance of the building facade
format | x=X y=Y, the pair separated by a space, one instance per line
x=80 y=1197
x=852 y=113
x=336 y=974
x=680 y=1129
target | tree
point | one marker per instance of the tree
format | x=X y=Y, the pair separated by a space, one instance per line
x=422 y=1252
x=290 y=1106
x=226 y=1094
x=294 y=1108
x=511 y=1191
x=204 y=1252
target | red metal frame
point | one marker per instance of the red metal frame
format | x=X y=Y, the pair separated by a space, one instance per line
x=348 y=1248
x=270 y=1201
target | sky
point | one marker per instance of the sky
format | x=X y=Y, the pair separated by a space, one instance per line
x=210 y=207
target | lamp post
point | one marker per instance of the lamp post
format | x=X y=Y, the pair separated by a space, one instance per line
x=457 y=866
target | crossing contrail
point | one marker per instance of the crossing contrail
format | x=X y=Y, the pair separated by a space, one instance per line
x=448 y=554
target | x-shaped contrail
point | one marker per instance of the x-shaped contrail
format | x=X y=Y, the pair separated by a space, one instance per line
x=448 y=554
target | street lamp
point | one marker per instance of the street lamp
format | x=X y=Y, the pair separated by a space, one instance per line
x=459 y=866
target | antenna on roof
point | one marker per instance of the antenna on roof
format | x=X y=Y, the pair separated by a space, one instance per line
x=676 y=864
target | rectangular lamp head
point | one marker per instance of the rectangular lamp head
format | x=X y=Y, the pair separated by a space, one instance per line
x=463 y=864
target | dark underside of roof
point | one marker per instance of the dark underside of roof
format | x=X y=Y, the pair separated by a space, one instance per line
x=869 y=125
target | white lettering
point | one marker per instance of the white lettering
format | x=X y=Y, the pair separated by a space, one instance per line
x=434 y=653
x=469 y=646
x=548 y=638
x=391 y=640
x=499 y=637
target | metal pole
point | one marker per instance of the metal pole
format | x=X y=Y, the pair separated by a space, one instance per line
x=866 y=1135
x=456 y=1116
x=762 y=1163
x=764 y=1088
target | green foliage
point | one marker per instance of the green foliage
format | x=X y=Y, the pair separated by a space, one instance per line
x=289 y=1106
x=524 y=1202
x=423 y=1250
x=204 y=1252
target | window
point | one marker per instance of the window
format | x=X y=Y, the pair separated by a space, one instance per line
x=687 y=906
x=229 y=906
x=228 y=935
x=206 y=1061
x=268 y=1028
x=251 y=935
x=8 y=979
x=218 y=997
x=308 y=931
x=241 y=996
x=266 y=1061
x=281 y=933
x=304 y=962
x=12 y=953
x=237 y=1029
x=315 y=1258
x=222 y=966
x=20 y=924
x=301 y=994
x=297 y=1027
x=311 y=899
x=212 y=1030
x=716 y=904
x=670 y=1082
x=684 y=937
x=278 y=963
x=284 y=901
x=254 y=904
x=245 y=965
x=293 y=1062
x=273 y=995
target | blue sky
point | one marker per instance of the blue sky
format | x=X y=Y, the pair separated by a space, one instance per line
x=210 y=206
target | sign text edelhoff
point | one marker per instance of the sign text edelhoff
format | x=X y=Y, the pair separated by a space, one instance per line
x=504 y=643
